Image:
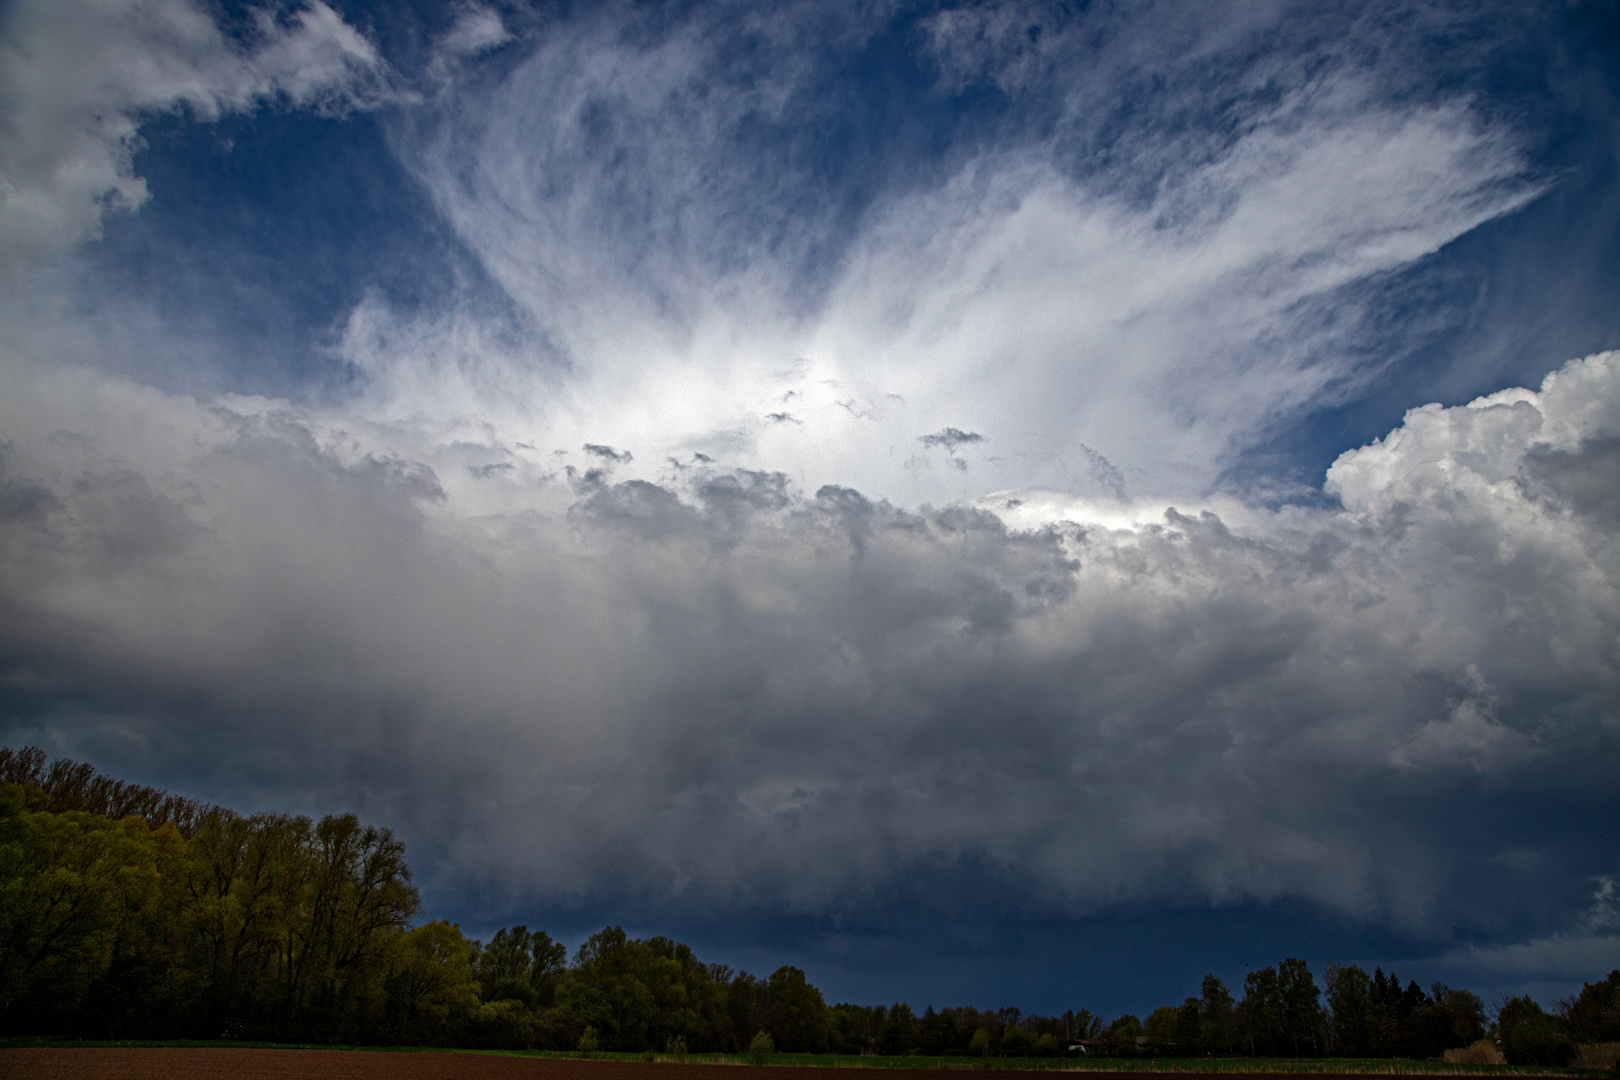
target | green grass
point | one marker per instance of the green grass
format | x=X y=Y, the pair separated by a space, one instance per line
x=1327 y=1066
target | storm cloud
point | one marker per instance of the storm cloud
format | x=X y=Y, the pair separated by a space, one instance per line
x=796 y=496
x=730 y=692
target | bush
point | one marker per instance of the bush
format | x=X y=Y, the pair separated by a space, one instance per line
x=1480 y=1052
x=761 y=1047
x=497 y=1025
x=588 y=1042
x=1531 y=1037
x=1599 y=1057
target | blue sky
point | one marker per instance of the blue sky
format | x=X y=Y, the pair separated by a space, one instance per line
x=999 y=503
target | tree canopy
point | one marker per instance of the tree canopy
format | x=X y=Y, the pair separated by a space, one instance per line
x=129 y=912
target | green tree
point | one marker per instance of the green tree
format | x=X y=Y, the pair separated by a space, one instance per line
x=1162 y=1030
x=73 y=888
x=520 y=965
x=639 y=994
x=1301 y=1004
x=1394 y=1009
x=1281 y=1011
x=1595 y=1015
x=796 y=1013
x=233 y=910
x=940 y=1032
x=1082 y=1025
x=761 y=1047
x=1123 y=1035
x=1259 y=1014
x=1448 y=1019
x=432 y=980
x=72 y=785
x=347 y=894
x=1217 y=1017
x=502 y=1025
x=180 y=918
x=1190 y=1027
x=900 y=1033
x=1530 y=1036
x=1352 y=1022
x=1015 y=1041
x=605 y=990
x=745 y=1006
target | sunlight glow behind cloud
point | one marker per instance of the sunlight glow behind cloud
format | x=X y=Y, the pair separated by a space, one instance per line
x=1004 y=297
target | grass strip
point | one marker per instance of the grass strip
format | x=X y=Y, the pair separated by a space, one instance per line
x=1317 y=1066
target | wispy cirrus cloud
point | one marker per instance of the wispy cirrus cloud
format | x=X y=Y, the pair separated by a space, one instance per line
x=637 y=191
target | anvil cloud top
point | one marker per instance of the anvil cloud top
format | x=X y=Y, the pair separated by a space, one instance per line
x=1009 y=500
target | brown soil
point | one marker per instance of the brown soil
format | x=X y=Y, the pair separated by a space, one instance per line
x=220 y=1063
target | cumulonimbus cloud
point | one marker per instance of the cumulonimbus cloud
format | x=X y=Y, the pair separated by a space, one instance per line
x=726 y=689
x=571 y=598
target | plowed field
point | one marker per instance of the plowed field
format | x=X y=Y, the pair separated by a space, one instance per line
x=220 y=1063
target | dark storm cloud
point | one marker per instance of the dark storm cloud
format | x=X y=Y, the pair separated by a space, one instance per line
x=730 y=695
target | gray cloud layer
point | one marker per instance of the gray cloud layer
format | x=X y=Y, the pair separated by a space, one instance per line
x=735 y=694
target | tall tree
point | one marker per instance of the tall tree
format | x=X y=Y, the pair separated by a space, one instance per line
x=796 y=1013
x=1260 y=1013
x=1163 y=1031
x=1352 y=1023
x=1217 y=1016
x=432 y=980
x=522 y=965
x=1595 y=1015
x=1190 y=1027
x=1301 y=1004
x=75 y=890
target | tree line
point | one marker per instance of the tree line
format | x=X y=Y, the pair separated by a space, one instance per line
x=126 y=912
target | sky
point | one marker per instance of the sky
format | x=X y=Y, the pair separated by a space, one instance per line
x=990 y=503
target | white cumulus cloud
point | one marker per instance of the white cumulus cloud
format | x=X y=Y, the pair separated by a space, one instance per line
x=78 y=77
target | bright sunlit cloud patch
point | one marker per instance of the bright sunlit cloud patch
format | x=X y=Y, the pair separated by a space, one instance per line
x=599 y=185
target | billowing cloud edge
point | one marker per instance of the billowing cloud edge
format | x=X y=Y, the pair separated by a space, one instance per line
x=723 y=690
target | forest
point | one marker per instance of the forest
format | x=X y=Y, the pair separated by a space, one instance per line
x=130 y=913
